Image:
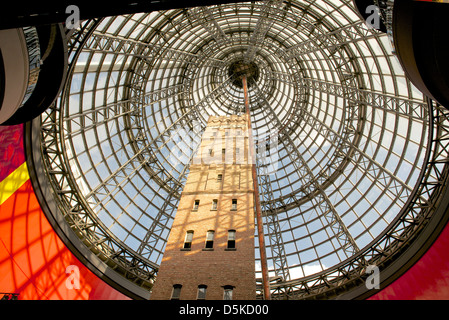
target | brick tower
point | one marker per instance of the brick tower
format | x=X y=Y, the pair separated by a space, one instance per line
x=210 y=249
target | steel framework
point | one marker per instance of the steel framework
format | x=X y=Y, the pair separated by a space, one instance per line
x=359 y=155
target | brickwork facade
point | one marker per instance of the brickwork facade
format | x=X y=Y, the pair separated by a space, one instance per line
x=217 y=204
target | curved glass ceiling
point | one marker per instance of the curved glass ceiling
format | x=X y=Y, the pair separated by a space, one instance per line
x=349 y=133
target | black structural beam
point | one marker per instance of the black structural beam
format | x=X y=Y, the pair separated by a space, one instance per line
x=17 y=14
x=52 y=75
x=421 y=39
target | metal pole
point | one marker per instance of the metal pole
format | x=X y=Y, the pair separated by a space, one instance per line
x=261 y=236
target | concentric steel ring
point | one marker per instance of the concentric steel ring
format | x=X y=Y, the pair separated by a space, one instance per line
x=351 y=137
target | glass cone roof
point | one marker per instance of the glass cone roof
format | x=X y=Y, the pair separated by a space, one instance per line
x=350 y=135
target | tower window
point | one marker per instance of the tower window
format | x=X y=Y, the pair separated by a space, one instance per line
x=210 y=239
x=220 y=177
x=223 y=151
x=201 y=292
x=228 y=290
x=234 y=205
x=231 y=239
x=214 y=204
x=176 y=292
x=188 y=240
x=196 y=204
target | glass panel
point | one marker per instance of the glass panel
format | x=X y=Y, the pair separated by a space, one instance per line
x=227 y=293
x=176 y=292
x=196 y=204
x=202 y=292
x=188 y=240
x=234 y=204
x=210 y=236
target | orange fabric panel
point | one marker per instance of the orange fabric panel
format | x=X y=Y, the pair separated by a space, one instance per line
x=34 y=261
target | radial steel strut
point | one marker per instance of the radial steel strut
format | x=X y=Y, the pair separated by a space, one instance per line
x=261 y=236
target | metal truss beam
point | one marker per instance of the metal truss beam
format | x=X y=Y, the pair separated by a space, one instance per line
x=271 y=218
x=269 y=13
x=330 y=40
x=101 y=114
x=204 y=17
x=405 y=107
x=99 y=42
x=321 y=202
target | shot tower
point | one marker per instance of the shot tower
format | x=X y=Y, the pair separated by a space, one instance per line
x=210 y=250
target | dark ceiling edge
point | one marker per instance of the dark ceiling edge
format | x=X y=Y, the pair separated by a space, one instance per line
x=43 y=192
x=420 y=38
x=25 y=13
